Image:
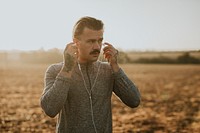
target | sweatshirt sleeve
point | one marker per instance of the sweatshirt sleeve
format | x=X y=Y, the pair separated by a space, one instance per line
x=55 y=92
x=126 y=90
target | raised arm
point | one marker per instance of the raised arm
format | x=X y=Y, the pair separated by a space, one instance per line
x=55 y=91
x=57 y=82
x=124 y=88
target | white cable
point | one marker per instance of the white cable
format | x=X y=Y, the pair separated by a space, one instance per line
x=101 y=53
x=90 y=92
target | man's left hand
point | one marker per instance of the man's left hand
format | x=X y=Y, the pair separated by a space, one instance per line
x=111 y=54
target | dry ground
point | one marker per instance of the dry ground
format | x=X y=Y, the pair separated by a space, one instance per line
x=170 y=100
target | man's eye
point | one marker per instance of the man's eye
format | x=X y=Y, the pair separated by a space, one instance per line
x=100 y=41
x=92 y=41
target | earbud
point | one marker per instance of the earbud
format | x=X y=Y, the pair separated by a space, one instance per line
x=79 y=66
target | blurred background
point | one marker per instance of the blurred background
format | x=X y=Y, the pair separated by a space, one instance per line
x=159 y=44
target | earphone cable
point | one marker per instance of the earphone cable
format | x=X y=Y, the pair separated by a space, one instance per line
x=90 y=92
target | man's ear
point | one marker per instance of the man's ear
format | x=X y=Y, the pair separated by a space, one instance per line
x=76 y=41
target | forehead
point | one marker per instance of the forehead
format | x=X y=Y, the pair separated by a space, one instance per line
x=91 y=34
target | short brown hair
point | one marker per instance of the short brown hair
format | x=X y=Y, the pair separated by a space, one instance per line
x=88 y=22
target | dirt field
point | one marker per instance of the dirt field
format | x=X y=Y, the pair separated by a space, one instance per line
x=170 y=100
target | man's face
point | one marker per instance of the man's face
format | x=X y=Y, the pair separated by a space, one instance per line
x=89 y=45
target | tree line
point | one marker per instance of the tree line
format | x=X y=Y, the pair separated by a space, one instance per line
x=185 y=58
x=56 y=55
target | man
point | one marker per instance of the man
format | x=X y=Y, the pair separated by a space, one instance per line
x=80 y=88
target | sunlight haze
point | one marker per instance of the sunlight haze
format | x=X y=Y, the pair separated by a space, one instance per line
x=129 y=24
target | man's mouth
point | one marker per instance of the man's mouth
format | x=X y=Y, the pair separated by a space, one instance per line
x=95 y=52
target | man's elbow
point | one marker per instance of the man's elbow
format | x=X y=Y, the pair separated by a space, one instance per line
x=135 y=103
x=48 y=110
x=50 y=113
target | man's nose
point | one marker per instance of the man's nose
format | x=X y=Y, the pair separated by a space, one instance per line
x=97 y=45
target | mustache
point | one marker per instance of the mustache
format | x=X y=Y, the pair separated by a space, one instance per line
x=95 y=51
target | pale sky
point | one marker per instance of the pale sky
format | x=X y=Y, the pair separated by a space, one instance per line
x=129 y=24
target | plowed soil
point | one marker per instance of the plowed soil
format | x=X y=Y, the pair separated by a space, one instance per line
x=170 y=100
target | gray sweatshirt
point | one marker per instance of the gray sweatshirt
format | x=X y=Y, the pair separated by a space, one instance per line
x=68 y=97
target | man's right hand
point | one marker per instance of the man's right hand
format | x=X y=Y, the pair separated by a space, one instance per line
x=70 y=57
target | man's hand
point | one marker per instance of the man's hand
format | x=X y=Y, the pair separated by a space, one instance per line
x=70 y=57
x=111 y=54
